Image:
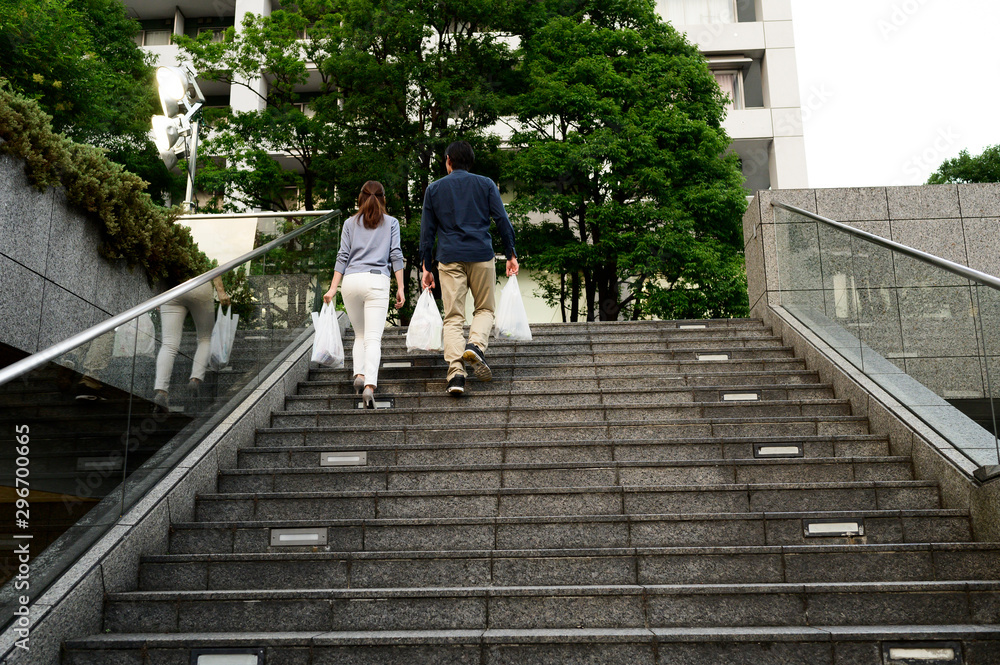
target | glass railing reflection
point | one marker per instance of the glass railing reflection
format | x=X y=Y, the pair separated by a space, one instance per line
x=919 y=330
x=96 y=436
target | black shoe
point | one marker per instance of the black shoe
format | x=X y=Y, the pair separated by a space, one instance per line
x=456 y=387
x=477 y=360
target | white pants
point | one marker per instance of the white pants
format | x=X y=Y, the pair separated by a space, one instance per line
x=200 y=302
x=366 y=299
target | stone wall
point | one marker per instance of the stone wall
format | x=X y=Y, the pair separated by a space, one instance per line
x=53 y=281
x=960 y=223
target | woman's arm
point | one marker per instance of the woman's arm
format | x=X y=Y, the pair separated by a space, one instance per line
x=224 y=299
x=400 y=295
x=334 y=283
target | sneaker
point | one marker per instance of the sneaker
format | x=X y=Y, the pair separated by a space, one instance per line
x=456 y=387
x=476 y=359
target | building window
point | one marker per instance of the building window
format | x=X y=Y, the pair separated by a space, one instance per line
x=153 y=37
x=731 y=83
x=693 y=12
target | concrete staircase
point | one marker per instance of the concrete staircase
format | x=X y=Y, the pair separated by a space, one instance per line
x=670 y=492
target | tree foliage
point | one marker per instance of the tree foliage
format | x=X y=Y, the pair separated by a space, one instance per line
x=966 y=168
x=620 y=144
x=78 y=60
x=619 y=140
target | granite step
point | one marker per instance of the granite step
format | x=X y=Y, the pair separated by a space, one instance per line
x=299 y=455
x=762 y=380
x=764 y=645
x=612 y=430
x=558 y=607
x=417 y=367
x=565 y=474
x=618 y=500
x=640 y=565
x=395 y=346
x=582 y=393
x=496 y=409
x=354 y=534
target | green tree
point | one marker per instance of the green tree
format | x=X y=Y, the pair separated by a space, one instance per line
x=966 y=168
x=78 y=60
x=394 y=82
x=621 y=148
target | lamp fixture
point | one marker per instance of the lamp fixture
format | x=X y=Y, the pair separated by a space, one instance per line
x=174 y=133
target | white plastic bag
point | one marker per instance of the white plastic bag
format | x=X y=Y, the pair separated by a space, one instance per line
x=424 y=333
x=137 y=336
x=223 y=334
x=511 y=321
x=328 y=348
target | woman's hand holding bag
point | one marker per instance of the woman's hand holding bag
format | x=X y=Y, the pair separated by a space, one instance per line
x=328 y=347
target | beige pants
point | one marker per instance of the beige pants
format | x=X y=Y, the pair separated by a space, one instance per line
x=457 y=279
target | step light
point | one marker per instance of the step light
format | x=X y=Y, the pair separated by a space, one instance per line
x=380 y=403
x=712 y=356
x=344 y=459
x=251 y=656
x=763 y=451
x=739 y=396
x=99 y=463
x=400 y=363
x=913 y=653
x=691 y=326
x=828 y=528
x=298 y=537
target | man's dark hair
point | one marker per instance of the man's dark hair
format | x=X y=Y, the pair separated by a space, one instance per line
x=462 y=156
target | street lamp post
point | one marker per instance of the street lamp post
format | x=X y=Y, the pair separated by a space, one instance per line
x=175 y=132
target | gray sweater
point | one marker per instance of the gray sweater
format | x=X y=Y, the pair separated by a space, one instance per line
x=364 y=250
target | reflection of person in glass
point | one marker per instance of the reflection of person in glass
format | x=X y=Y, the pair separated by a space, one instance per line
x=200 y=303
x=369 y=248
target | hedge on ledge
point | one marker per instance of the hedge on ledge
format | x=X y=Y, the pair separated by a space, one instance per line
x=132 y=226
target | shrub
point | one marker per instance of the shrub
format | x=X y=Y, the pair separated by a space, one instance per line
x=133 y=227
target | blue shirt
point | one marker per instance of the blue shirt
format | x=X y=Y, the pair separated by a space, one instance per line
x=457 y=210
x=364 y=250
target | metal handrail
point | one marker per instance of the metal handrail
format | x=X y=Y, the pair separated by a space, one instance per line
x=38 y=359
x=937 y=261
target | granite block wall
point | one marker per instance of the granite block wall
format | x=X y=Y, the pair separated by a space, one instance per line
x=53 y=281
x=958 y=222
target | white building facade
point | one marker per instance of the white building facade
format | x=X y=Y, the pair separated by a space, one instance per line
x=751 y=50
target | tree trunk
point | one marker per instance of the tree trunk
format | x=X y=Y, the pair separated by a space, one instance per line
x=574 y=312
x=591 y=290
x=607 y=289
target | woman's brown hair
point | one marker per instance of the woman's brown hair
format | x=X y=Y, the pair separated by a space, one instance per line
x=371 y=204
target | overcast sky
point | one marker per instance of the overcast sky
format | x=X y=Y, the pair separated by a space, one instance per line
x=891 y=88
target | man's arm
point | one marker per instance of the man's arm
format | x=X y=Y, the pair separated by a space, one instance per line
x=506 y=229
x=428 y=231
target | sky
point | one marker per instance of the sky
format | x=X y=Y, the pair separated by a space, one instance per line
x=892 y=88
